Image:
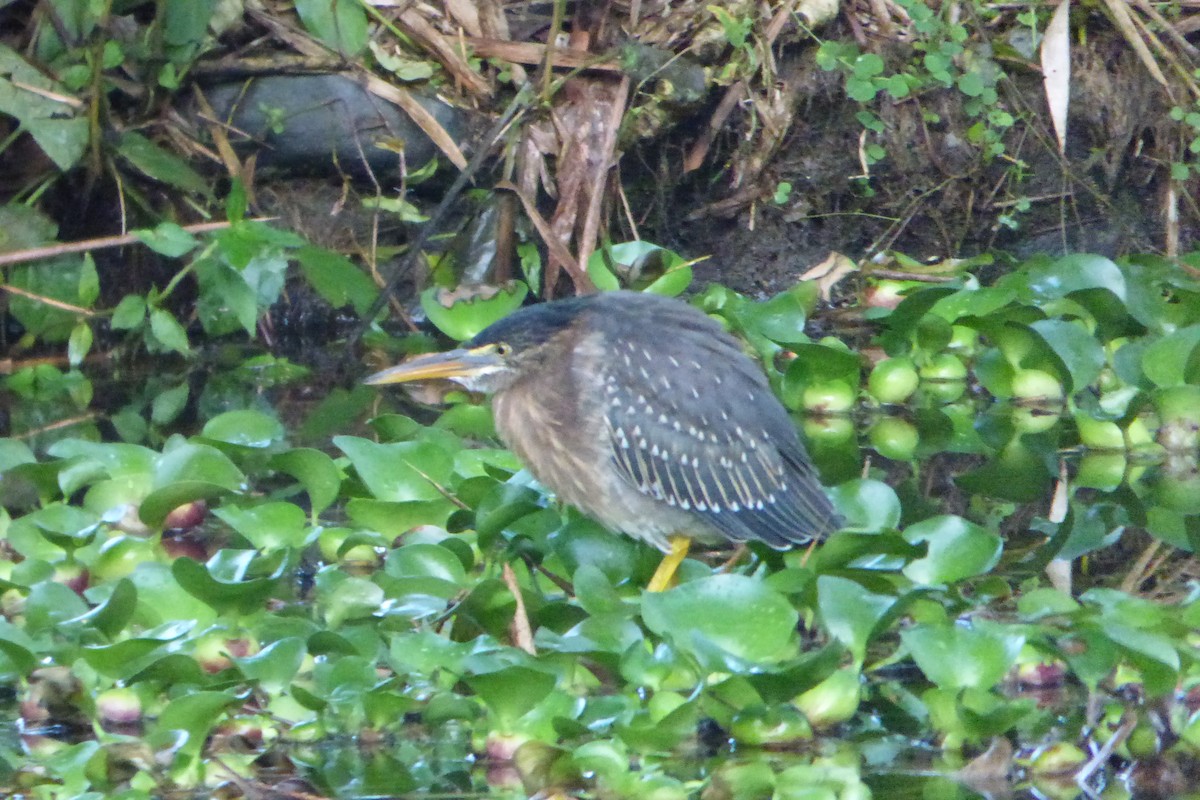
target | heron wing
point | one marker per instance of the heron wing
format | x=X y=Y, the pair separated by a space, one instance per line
x=703 y=433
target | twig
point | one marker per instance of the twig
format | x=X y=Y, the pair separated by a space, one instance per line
x=88 y=245
x=1139 y=572
x=48 y=301
x=53 y=426
x=522 y=632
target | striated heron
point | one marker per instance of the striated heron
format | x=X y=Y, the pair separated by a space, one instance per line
x=645 y=414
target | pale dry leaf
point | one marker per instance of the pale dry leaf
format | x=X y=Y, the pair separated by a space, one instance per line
x=1125 y=24
x=829 y=273
x=817 y=12
x=1056 y=69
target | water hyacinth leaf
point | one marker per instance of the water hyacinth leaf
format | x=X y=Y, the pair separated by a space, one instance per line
x=274 y=667
x=18 y=652
x=244 y=427
x=399 y=471
x=510 y=693
x=393 y=519
x=317 y=473
x=187 y=471
x=717 y=608
x=354 y=598
x=49 y=604
x=867 y=505
x=462 y=318
x=125 y=658
x=904 y=319
x=973 y=302
x=224 y=596
x=196 y=714
x=595 y=592
x=1072 y=273
x=270 y=525
x=504 y=505
x=1081 y=355
x=850 y=612
x=1045 y=602
x=957 y=549
x=426 y=560
x=13 y=453
x=963 y=657
x=820 y=362
x=111 y=616
x=1169 y=361
x=585 y=543
x=781 y=318
x=1153 y=653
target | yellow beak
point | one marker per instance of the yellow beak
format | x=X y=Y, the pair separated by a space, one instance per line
x=459 y=363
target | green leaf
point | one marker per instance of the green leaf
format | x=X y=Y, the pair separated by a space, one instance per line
x=400 y=471
x=510 y=693
x=111 y=616
x=316 y=472
x=168 y=331
x=168 y=404
x=244 y=427
x=195 y=713
x=340 y=25
x=850 y=611
x=956 y=656
x=352 y=599
x=89 y=281
x=160 y=164
x=274 y=667
x=269 y=526
x=129 y=313
x=225 y=597
x=79 y=344
x=1166 y=361
x=185 y=22
x=124 y=658
x=168 y=239
x=1077 y=349
x=187 y=472
x=1068 y=274
x=336 y=278
x=426 y=560
x=28 y=95
x=716 y=609
x=781 y=318
x=868 y=506
x=17 y=649
x=957 y=549
x=463 y=318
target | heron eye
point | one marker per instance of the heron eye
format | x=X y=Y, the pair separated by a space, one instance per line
x=503 y=349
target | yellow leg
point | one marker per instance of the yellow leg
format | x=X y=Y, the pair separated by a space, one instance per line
x=664 y=576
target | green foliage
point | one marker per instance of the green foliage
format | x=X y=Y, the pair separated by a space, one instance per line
x=362 y=589
x=943 y=56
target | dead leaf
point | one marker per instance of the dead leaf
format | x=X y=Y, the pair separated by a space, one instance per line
x=829 y=273
x=1056 y=69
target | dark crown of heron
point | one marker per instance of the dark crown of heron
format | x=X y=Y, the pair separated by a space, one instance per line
x=531 y=326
